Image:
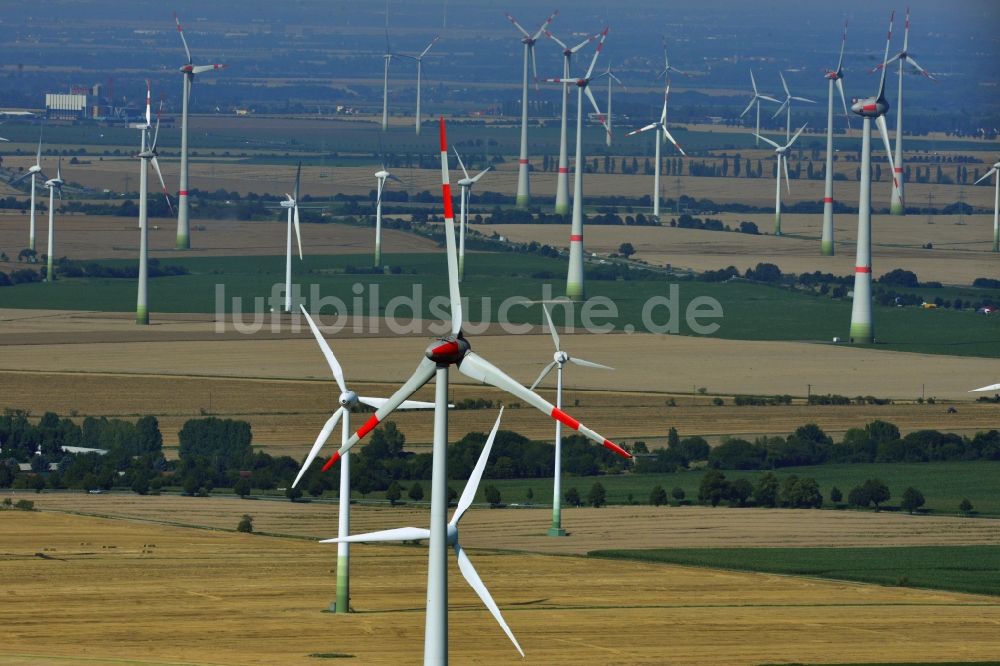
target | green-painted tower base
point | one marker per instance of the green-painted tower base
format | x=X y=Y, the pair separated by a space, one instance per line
x=183 y=242
x=523 y=201
x=896 y=208
x=142 y=316
x=574 y=292
x=343 y=602
x=777 y=225
x=556 y=532
x=826 y=248
x=562 y=210
x=862 y=334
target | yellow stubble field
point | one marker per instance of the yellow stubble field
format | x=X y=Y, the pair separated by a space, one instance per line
x=89 y=590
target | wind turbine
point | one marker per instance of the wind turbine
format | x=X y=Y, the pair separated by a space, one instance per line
x=661 y=124
x=782 y=153
x=452 y=350
x=348 y=399
x=385 y=80
x=898 y=204
x=189 y=70
x=146 y=156
x=466 y=184
x=991 y=387
x=562 y=178
x=420 y=61
x=523 y=188
x=559 y=360
x=611 y=78
x=875 y=107
x=464 y=563
x=34 y=170
x=834 y=76
x=996 y=204
x=669 y=69
x=291 y=203
x=574 y=278
x=755 y=100
x=786 y=106
x=54 y=185
x=380 y=176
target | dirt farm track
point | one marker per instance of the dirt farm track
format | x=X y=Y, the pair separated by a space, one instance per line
x=88 y=590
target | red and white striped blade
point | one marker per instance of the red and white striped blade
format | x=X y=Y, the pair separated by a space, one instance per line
x=593 y=61
x=885 y=58
x=180 y=31
x=600 y=114
x=454 y=293
x=201 y=69
x=671 y=139
x=517 y=25
x=644 y=129
x=920 y=69
x=544 y=25
x=843 y=43
x=478 y=368
x=420 y=376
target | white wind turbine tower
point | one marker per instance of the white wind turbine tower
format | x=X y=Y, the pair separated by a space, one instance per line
x=834 y=76
x=898 y=204
x=291 y=203
x=755 y=100
x=781 y=152
x=381 y=176
x=466 y=184
x=574 y=279
x=562 y=177
x=189 y=70
x=348 y=399
x=786 y=106
x=559 y=360
x=147 y=154
x=523 y=187
x=34 y=171
x=452 y=350
x=995 y=169
x=611 y=79
x=419 y=59
x=862 y=330
x=54 y=185
x=660 y=125
x=464 y=563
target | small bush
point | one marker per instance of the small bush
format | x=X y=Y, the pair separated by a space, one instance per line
x=246 y=524
x=24 y=505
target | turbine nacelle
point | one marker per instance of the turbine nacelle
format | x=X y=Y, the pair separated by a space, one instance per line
x=560 y=357
x=382 y=175
x=870 y=107
x=449 y=350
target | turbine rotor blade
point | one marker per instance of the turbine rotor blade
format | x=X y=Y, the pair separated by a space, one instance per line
x=749 y=106
x=644 y=129
x=600 y=115
x=425 y=370
x=920 y=69
x=795 y=136
x=201 y=69
x=589 y=364
x=544 y=25
x=449 y=234
x=991 y=387
x=180 y=31
x=671 y=139
x=986 y=175
x=764 y=138
x=163 y=185
x=331 y=360
x=885 y=58
x=481 y=370
x=593 y=61
x=884 y=131
x=843 y=98
x=545 y=371
x=324 y=435
x=398 y=534
x=476 y=583
x=552 y=326
x=460 y=163
x=517 y=25
x=784 y=164
x=406 y=404
x=843 y=43
x=295 y=223
x=472 y=485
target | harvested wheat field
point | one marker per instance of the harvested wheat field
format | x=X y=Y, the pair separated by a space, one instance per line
x=286 y=414
x=524 y=529
x=108 y=237
x=960 y=254
x=749 y=367
x=93 y=590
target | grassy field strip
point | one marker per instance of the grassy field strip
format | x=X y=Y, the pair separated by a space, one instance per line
x=971 y=569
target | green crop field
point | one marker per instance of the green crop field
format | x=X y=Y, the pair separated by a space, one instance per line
x=944 y=484
x=750 y=311
x=973 y=569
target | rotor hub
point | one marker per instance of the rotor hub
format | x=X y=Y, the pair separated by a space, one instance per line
x=348 y=399
x=560 y=357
